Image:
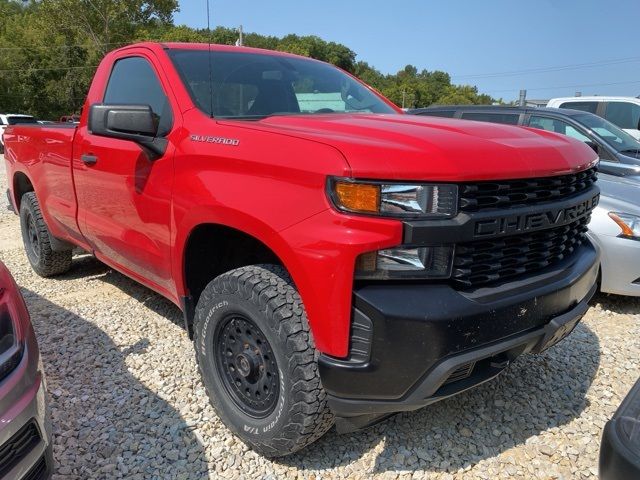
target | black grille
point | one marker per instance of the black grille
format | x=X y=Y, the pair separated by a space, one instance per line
x=10 y=365
x=488 y=261
x=39 y=471
x=530 y=191
x=460 y=373
x=361 y=336
x=18 y=447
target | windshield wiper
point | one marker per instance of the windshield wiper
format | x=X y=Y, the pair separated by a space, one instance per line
x=278 y=114
x=239 y=117
x=257 y=117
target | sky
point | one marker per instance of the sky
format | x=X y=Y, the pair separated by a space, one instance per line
x=551 y=48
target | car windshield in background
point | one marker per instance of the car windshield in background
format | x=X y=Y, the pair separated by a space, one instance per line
x=15 y=120
x=252 y=85
x=614 y=136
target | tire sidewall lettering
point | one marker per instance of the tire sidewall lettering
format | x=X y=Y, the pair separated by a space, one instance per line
x=215 y=314
x=256 y=429
x=205 y=325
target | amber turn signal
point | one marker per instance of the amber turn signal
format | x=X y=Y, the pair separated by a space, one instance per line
x=630 y=224
x=358 y=197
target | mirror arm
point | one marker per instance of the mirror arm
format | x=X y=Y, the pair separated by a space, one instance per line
x=155 y=147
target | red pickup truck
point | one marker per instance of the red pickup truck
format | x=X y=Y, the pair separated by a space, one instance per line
x=335 y=259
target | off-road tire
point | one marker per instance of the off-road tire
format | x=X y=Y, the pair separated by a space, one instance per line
x=266 y=296
x=37 y=240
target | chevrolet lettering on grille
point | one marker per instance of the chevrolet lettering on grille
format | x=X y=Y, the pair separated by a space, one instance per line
x=535 y=221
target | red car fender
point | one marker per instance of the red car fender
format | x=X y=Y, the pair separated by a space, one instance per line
x=319 y=254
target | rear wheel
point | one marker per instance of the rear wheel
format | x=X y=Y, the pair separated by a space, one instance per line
x=258 y=361
x=37 y=240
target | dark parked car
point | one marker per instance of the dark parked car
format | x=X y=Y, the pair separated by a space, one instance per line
x=619 y=152
x=25 y=432
x=620 y=451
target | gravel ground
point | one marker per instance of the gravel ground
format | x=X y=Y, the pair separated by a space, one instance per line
x=127 y=401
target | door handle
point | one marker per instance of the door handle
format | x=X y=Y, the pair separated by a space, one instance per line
x=88 y=159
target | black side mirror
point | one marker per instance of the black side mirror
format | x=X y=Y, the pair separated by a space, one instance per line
x=594 y=146
x=128 y=122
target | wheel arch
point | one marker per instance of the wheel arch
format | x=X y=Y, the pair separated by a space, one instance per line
x=209 y=248
x=214 y=248
x=21 y=184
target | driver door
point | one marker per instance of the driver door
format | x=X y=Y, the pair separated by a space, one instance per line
x=124 y=198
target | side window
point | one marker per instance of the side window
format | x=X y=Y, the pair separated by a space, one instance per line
x=556 y=126
x=623 y=114
x=508 y=118
x=573 y=133
x=590 y=107
x=134 y=82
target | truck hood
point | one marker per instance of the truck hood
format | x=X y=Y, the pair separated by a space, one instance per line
x=397 y=146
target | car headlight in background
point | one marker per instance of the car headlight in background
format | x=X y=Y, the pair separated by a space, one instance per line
x=397 y=200
x=11 y=346
x=405 y=263
x=630 y=224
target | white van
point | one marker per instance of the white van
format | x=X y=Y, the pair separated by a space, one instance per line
x=621 y=111
x=12 y=119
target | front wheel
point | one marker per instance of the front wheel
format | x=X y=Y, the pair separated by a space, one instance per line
x=258 y=361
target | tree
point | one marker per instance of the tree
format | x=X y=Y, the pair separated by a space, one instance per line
x=463 y=95
x=50 y=75
x=49 y=55
x=106 y=22
x=315 y=47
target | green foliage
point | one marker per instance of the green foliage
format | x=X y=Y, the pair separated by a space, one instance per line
x=412 y=89
x=49 y=50
x=62 y=41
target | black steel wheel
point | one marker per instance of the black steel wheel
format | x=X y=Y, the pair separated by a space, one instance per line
x=32 y=240
x=247 y=365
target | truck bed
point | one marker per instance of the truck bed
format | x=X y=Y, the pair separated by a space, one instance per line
x=46 y=151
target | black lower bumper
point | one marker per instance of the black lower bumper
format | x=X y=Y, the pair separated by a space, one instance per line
x=427 y=342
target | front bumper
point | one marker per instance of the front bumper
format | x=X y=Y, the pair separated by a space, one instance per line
x=419 y=343
x=620 y=265
x=25 y=430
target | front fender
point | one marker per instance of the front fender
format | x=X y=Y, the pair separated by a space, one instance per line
x=319 y=253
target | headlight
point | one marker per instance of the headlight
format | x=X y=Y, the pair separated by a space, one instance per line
x=13 y=315
x=10 y=345
x=405 y=262
x=8 y=337
x=630 y=224
x=399 y=200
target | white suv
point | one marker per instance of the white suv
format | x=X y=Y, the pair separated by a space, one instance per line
x=621 y=111
x=12 y=119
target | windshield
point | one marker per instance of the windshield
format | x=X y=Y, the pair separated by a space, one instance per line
x=15 y=120
x=254 y=85
x=614 y=136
